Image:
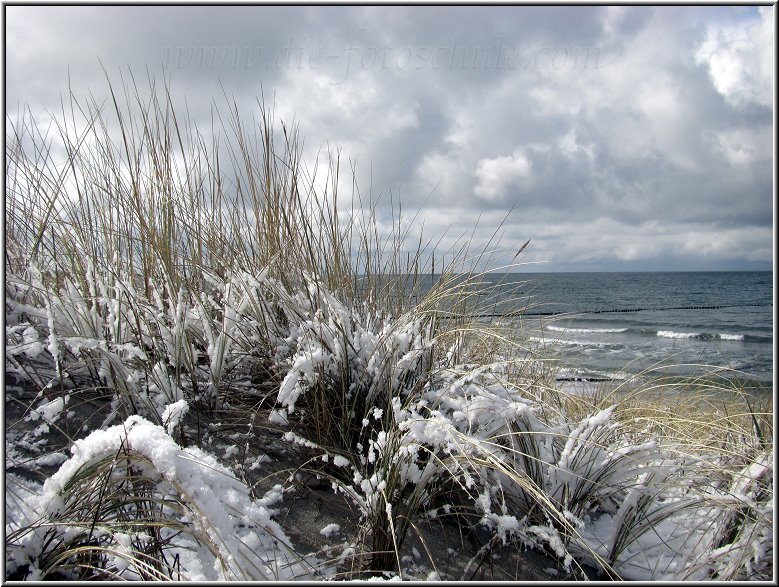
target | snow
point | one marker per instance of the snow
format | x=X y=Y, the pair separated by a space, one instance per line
x=51 y=460
x=32 y=348
x=505 y=526
x=278 y=417
x=552 y=537
x=172 y=415
x=330 y=530
x=51 y=410
x=340 y=461
x=247 y=540
x=76 y=343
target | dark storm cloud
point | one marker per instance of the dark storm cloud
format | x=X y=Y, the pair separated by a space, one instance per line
x=618 y=135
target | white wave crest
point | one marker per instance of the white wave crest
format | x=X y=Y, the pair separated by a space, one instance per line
x=705 y=336
x=562 y=341
x=585 y=330
x=672 y=334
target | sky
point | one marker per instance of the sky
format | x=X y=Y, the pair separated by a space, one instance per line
x=626 y=138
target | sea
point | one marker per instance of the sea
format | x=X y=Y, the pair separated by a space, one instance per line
x=618 y=326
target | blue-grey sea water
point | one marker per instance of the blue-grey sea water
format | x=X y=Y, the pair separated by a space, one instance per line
x=616 y=325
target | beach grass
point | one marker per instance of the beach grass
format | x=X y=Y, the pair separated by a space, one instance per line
x=197 y=328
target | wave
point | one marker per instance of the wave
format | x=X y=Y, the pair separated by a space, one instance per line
x=585 y=330
x=649 y=332
x=672 y=334
x=578 y=336
x=571 y=342
x=700 y=335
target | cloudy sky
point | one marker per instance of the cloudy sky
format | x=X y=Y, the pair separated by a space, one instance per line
x=615 y=138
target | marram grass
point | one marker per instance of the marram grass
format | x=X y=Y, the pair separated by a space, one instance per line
x=196 y=330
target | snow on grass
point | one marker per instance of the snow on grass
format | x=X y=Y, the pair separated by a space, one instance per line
x=172 y=415
x=50 y=410
x=241 y=539
x=51 y=459
x=620 y=498
x=534 y=480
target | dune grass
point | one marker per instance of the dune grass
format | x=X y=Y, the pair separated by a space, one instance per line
x=161 y=281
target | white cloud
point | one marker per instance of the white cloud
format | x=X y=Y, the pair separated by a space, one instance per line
x=740 y=59
x=498 y=177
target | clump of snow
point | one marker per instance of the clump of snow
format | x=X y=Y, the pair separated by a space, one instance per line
x=173 y=414
x=278 y=417
x=551 y=537
x=51 y=410
x=330 y=530
x=51 y=459
x=32 y=347
x=386 y=576
x=340 y=461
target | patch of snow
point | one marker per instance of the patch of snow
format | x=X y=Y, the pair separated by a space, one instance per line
x=329 y=530
x=51 y=459
x=173 y=414
x=340 y=461
x=51 y=410
x=278 y=417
